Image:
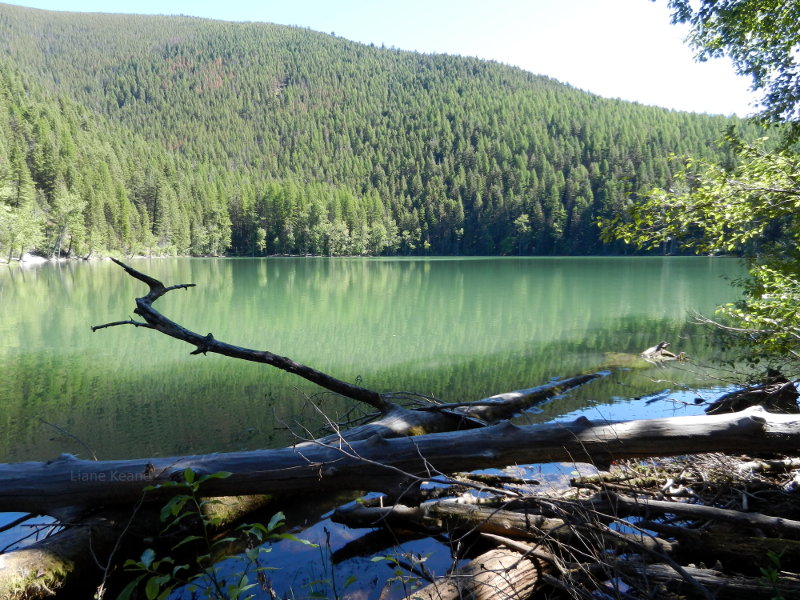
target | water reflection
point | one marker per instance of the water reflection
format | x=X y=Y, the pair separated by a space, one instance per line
x=457 y=329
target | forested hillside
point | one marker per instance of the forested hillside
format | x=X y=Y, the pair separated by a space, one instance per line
x=135 y=134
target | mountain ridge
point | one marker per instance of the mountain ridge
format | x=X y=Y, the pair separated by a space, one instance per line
x=294 y=141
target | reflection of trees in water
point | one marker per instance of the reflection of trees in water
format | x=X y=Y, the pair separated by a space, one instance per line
x=470 y=378
x=499 y=325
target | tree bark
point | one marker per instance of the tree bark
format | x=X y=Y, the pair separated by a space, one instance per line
x=380 y=464
x=449 y=516
x=498 y=574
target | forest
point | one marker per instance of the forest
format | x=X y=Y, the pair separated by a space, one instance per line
x=152 y=135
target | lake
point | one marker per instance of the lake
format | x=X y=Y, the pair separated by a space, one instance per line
x=458 y=329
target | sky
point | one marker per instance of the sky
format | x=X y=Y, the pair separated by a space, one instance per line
x=615 y=48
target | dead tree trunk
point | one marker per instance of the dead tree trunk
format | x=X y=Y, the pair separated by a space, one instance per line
x=381 y=464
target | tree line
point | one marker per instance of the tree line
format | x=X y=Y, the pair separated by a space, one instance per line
x=174 y=135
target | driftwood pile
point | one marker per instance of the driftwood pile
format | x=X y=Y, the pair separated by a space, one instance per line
x=708 y=526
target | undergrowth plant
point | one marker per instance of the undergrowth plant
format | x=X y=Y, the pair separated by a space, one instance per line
x=202 y=574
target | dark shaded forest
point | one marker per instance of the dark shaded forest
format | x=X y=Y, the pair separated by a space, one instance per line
x=174 y=135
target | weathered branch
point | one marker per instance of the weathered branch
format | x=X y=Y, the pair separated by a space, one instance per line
x=207 y=343
x=645 y=506
x=506 y=405
x=724 y=586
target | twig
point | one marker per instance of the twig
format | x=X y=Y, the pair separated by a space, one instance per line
x=16 y=522
x=101 y=588
x=68 y=434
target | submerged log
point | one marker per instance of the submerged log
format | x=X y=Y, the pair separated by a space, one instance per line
x=659 y=353
x=380 y=464
x=58 y=563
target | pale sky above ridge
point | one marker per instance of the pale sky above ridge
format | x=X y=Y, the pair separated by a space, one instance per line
x=615 y=48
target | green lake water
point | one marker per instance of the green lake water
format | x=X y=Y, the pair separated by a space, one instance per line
x=457 y=329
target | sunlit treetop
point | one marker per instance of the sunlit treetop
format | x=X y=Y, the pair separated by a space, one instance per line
x=762 y=38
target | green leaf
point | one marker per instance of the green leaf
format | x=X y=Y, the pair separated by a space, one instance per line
x=188 y=539
x=147 y=558
x=252 y=553
x=188 y=475
x=173 y=506
x=179 y=518
x=276 y=521
x=289 y=536
x=217 y=475
x=129 y=589
x=152 y=588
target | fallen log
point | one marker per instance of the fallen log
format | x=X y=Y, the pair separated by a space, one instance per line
x=399 y=421
x=380 y=464
x=58 y=562
x=499 y=574
x=721 y=585
x=452 y=516
x=75 y=560
x=645 y=506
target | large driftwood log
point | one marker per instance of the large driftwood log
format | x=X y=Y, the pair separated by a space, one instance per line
x=75 y=560
x=58 y=563
x=498 y=574
x=399 y=421
x=379 y=464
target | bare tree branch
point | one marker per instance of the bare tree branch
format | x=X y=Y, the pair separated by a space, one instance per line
x=207 y=343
